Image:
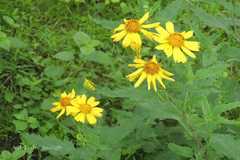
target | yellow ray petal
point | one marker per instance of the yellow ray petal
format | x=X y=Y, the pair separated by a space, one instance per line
x=135 y=74
x=61 y=113
x=135 y=37
x=118 y=36
x=168 y=49
x=83 y=99
x=144 y=18
x=91 y=119
x=92 y=102
x=140 y=80
x=192 y=45
x=140 y=61
x=161 y=82
x=80 y=117
x=72 y=110
x=160 y=39
x=170 y=27
x=162 y=31
x=188 y=52
x=127 y=40
x=148 y=34
x=55 y=109
x=154 y=83
x=149 y=81
x=97 y=112
x=187 y=35
x=152 y=25
x=167 y=73
x=119 y=28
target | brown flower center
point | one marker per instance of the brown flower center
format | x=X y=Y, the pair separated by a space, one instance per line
x=176 y=39
x=65 y=101
x=132 y=25
x=151 y=67
x=85 y=108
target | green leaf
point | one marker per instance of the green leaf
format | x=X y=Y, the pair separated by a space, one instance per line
x=225 y=107
x=171 y=11
x=56 y=146
x=81 y=38
x=100 y=57
x=181 y=150
x=10 y=22
x=227 y=145
x=54 y=71
x=8 y=96
x=20 y=125
x=65 y=55
x=4 y=41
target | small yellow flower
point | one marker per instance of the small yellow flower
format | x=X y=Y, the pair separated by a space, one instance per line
x=175 y=43
x=150 y=70
x=130 y=31
x=88 y=84
x=85 y=108
x=63 y=103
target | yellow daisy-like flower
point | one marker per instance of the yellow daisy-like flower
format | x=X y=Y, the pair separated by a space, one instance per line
x=150 y=70
x=88 y=84
x=85 y=109
x=175 y=43
x=129 y=32
x=63 y=103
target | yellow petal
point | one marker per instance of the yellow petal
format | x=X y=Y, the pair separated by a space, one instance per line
x=149 y=81
x=61 y=113
x=92 y=102
x=135 y=37
x=192 y=45
x=159 y=39
x=127 y=40
x=178 y=55
x=70 y=110
x=140 y=80
x=72 y=94
x=167 y=73
x=162 y=31
x=64 y=94
x=161 y=82
x=80 y=117
x=154 y=83
x=152 y=25
x=55 y=109
x=97 y=112
x=148 y=34
x=119 y=28
x=162 y=75
x=170 y=27
x=118 y=36
x=188 y=52
x=144 y=18
x=91 y=119
x=168 y=50
x=83 y=99
x=187 y=35
x=140 y=61
x=135 y=74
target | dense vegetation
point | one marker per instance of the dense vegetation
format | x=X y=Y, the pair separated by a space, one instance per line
x=50 y=46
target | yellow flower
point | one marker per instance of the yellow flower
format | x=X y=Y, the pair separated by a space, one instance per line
x=63 y=103
x=175 y=43
x=150 y=70
x=88 y=84
x=85 y=108
x=130 y=31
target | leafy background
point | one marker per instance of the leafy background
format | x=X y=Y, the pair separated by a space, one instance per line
x=49 y=46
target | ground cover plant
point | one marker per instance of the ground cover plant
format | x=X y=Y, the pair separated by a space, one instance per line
x=119 y=80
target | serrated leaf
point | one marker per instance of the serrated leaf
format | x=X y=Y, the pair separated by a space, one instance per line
x=65 y=55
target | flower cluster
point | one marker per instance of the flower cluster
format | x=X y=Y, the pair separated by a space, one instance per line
x=80 y=107
x=173 y=44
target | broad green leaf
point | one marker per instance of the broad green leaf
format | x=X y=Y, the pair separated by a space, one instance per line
x=54 y=71
x=20 y=125
x=181 y=150
x=48 y=143
x=107 y=24
x=10 y=22
x=65 y=55
x=4 y=41
x=225 y=107
x=171 y=11
x=100 y=57
x=227 y=145
x=81 y=38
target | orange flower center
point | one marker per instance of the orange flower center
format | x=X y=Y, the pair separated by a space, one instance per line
x=151 y=68
x=65 y=101
x=176 y=39
x=85 y=108
x=132 y=26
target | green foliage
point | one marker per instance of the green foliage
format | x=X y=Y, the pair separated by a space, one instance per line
x=47 y=47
